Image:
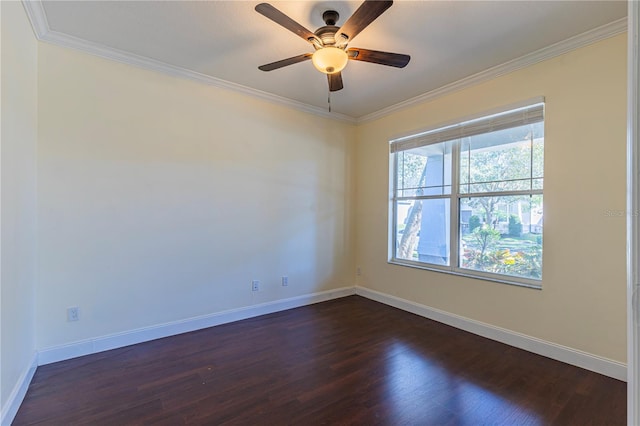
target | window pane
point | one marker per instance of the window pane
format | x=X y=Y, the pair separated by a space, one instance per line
x=538 y=157
x=537 y=183
x=424 y=171
x=499 y=180
x=423 y=230
x=502 y=235
x=504 y=160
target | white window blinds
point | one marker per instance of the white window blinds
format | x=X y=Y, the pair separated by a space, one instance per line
x=504 y=120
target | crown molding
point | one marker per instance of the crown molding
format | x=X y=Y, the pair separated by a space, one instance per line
x=592 y=36
x=105 y=52
x=38 y=19
x=43 y=32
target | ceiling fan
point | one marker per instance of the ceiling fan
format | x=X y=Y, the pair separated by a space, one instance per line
x=330 y=41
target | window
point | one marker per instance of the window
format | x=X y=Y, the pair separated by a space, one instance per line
x=468 y=198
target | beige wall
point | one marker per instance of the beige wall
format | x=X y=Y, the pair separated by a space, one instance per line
x=582 y=303
x=18 y=196
x=161 y=199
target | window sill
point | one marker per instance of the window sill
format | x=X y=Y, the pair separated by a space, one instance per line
x=531 y=284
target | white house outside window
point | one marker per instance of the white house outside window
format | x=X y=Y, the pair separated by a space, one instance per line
x=468 y=198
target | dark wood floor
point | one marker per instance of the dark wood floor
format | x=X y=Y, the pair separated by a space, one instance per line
x=347 y=361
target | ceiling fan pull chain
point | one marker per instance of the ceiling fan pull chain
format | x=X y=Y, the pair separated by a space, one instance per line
x=329 y=100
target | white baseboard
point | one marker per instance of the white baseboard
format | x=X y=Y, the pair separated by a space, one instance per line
x=561 y=353
x=10 y=408
x=585 y=360
x=118 y=340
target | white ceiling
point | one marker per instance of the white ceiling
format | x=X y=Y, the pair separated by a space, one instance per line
x=228 y=40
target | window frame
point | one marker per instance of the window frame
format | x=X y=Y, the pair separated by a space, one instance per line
x=456 y=196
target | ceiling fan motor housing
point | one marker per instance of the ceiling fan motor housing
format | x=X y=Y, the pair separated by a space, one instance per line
x=327 y=35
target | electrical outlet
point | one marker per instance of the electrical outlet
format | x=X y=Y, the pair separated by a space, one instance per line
x=285 y=281
x=73 y=314
x=358 y=271
x=255 y=285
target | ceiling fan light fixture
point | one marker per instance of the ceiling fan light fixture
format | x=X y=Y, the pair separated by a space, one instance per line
x=330 y=60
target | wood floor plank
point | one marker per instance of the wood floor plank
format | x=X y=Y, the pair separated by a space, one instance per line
x=346 y=361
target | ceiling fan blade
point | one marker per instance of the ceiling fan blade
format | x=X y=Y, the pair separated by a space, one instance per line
x=335 y=82
x=361 y=18
x=280 y=18
x=284 y=62
x=397 y=60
